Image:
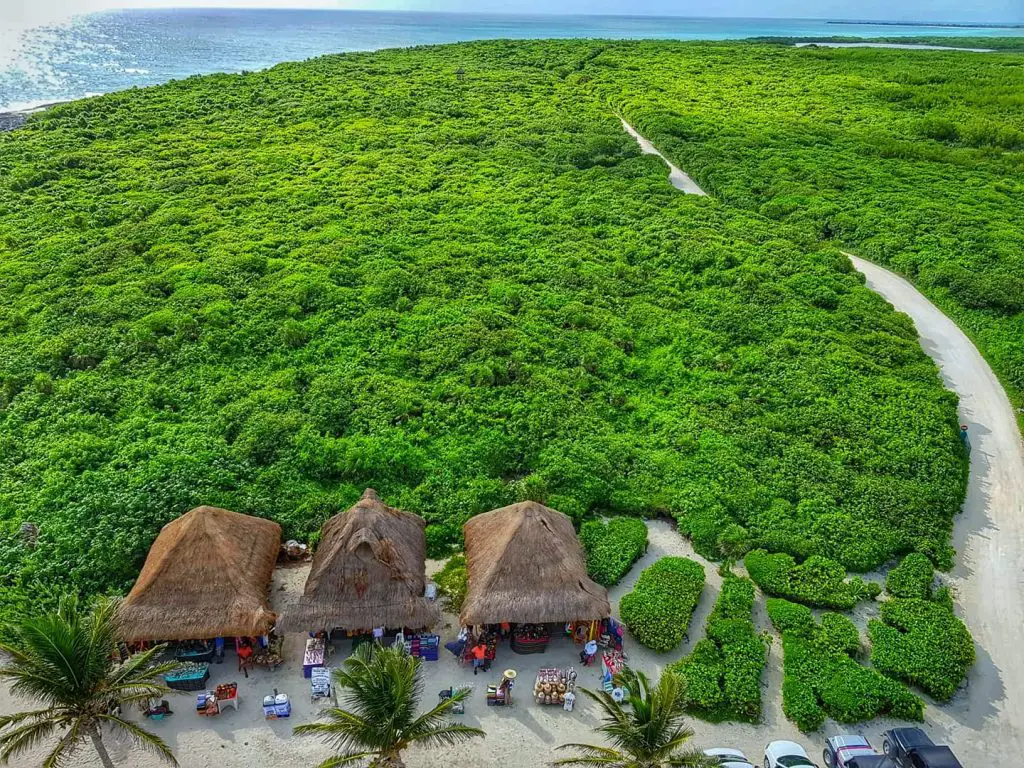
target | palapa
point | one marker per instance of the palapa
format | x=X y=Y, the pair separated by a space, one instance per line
x=369 y=570
x=526 y=565
x=207 y=575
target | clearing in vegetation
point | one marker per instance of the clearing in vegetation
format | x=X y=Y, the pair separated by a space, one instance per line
x=821 y=677
x=723 y=672
x=918 y=638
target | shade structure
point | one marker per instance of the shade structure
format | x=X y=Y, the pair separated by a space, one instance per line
x=207 y=575
x=369 y=570
x=526 y=565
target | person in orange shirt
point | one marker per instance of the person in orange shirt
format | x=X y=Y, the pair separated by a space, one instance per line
x=479 y=651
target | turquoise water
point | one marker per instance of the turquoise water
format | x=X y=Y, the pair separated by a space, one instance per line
x=110 y=51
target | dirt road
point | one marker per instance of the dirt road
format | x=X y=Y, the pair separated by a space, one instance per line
x=989 y=534
x=676 y=177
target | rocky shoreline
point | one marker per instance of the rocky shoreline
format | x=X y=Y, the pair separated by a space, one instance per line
x=11 y=120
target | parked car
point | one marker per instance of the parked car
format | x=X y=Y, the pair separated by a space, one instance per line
x=839 y=750
x=786 y=754
x=911 y=748
x=729 y=758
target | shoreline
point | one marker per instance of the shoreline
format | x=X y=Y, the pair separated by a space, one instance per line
x=12 y=119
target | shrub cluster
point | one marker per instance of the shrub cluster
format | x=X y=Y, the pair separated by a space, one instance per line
x=912 y=578
x=918 y=638
x=821 y=677
x=659 y=608
x=723 y=673
x=612 y=547
x=451 y=582
x=817 y=581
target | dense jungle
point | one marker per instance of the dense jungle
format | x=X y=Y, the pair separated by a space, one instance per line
x=449 y=273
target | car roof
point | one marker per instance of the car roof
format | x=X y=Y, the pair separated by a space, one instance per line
x=848 y=740
x=787 y=747
x=937 y=757
x=911 y=737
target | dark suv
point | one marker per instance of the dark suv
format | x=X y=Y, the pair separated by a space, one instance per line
x=911 y=748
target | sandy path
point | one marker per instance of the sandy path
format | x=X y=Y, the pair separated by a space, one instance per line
x=676 y=177
x=988 y=535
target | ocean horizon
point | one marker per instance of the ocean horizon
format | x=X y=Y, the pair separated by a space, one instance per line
x=114 y=50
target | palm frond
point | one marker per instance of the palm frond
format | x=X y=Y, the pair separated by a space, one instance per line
x=24 y=738
x=143 y=738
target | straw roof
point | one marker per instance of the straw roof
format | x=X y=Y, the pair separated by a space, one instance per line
x=525 y=564
x=369 y=570
x=207 y=575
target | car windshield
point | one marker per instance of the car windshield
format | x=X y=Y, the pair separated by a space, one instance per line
x=793 y=761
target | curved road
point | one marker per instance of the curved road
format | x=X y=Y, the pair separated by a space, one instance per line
x=986 y=723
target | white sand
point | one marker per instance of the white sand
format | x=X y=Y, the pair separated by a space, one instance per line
x=898 y=46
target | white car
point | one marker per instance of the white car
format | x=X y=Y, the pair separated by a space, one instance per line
x=786 y=754
x=728 y=758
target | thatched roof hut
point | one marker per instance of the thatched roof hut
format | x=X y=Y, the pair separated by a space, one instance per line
x=368 y=570
x=207 y=575
x=526 y=565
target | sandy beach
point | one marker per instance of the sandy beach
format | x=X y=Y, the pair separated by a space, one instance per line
x=523 y=735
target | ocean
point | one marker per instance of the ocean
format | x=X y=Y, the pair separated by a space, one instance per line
x=102 y=52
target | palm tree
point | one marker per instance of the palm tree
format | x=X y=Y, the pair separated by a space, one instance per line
x=382 y=691
x=650 y=735
x=66 y=661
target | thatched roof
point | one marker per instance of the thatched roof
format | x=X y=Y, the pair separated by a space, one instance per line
x=207 y=575
x=368 y=570
x=525 y=564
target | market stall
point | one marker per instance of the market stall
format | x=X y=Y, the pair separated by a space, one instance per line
x=500 y=695
x=552 y=685
x=526 y=567
x=188 y=676
x=207 y=576
x=368 y=573
x=530 y=638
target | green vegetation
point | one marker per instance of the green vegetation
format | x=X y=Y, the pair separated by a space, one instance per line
x=379 y=718
x=612 y=547
x=913 y=577
x=821 y=677
x=918 y=638
x=452 y=581
x=910 y=158
x=647 y=729
x=64 y=663
x=817 y=581
x=659 y=608
x=723 y=673
x=269 y=291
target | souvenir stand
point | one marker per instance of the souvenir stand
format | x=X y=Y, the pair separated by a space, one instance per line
x=613 y=662
x=276 y=705
x=368 y=574
x=500 y=695
x=320 y=686
x=525 y=567
x=188 y=676
x=206 y=578
x=530 y=638
x=553 y=684
x=209 y=703
x=490 y=642
x=316 y=650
